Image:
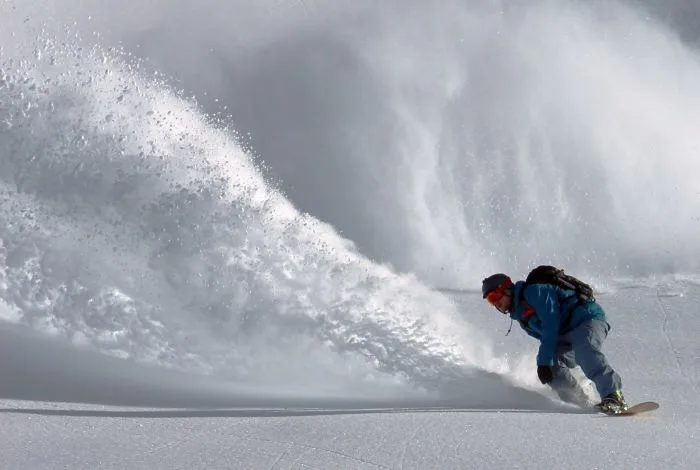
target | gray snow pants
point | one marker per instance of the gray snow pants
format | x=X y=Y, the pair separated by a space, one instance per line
x=582 y=346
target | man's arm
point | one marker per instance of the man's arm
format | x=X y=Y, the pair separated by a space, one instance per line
x=543 y=298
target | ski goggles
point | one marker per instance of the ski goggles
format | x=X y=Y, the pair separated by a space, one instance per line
x=495 y=296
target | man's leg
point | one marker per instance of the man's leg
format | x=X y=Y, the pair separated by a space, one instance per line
x=564 y=383
x=586 y=342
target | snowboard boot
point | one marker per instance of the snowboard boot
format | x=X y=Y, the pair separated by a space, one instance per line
x=613 y=403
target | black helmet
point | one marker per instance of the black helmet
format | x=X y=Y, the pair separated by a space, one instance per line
x=493 y=282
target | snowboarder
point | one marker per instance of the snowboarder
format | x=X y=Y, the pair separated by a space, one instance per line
x=571 y=329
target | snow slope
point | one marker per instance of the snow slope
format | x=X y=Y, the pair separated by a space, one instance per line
x=174 y=421
x=250 y=234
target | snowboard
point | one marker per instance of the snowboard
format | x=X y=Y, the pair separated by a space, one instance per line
x=637 y=409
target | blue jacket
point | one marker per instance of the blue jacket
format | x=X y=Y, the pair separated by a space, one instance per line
x=555 y=313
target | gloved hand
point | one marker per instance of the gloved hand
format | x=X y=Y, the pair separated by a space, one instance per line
x=545 y=374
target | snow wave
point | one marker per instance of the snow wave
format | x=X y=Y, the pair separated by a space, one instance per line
x=133 y=223
x=446 y=140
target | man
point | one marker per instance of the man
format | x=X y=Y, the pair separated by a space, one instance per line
x=571 y=332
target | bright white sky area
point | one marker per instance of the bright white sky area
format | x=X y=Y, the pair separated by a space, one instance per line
x=251 y=234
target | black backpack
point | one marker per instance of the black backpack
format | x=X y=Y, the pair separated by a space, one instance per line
x=552 y=275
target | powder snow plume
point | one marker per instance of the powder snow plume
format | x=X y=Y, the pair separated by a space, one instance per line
x=134 y=224
x=269 y=191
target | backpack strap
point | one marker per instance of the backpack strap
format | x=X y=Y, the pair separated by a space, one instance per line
x=529 y=310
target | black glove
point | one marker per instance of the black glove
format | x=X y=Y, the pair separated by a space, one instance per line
x=545 y=374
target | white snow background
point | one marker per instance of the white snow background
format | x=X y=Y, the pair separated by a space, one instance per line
x=251 y=234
